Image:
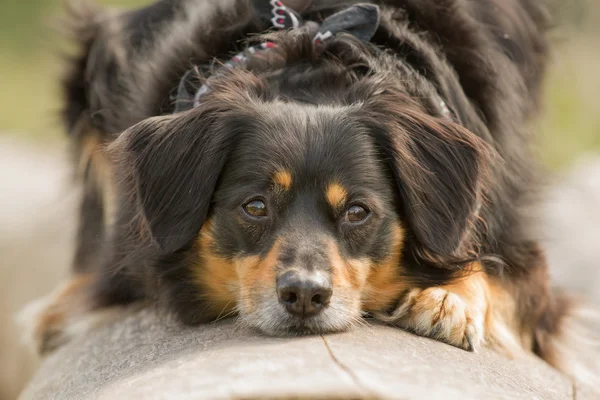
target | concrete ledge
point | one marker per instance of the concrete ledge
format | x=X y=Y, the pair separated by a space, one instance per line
x=144 y=356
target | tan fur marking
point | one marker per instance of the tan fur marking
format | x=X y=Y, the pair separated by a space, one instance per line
x=481 y=291
x=473 y=285
x=283 y=179
x=384 y=284
x=215 y=275
x=257 y=276
x=225 y=282
x=93 y=158
x=336 y=195
x=70 y=301
x=501 y=323
x=347 y=273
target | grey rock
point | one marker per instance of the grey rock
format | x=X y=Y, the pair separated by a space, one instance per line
x=144 y=356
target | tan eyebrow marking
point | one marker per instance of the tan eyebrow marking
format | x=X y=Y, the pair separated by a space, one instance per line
x=336 y=195
x=283 y=178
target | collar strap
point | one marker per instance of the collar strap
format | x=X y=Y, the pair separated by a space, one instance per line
x=360 y=20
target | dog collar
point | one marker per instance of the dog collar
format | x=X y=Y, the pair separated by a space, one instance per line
x=360 y=20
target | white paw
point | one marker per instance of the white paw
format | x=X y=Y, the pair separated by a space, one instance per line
x=442 y=315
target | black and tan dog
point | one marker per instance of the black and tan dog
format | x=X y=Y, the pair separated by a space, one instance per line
x=381 y=168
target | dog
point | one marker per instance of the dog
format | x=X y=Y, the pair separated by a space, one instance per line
x=353 y=159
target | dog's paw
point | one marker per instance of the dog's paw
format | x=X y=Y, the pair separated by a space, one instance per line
x=54 y=320
x=42 y=325
x=440 y=314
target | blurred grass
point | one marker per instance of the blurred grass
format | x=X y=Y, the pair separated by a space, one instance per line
x=30 y=67
x=30 y=96
x=570 y=125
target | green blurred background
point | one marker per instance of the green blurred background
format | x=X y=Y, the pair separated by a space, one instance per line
x=29 y=67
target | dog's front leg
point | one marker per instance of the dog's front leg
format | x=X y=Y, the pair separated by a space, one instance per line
x=69 y=312
x=455 y=313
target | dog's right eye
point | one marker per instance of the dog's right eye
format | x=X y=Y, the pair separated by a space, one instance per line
x=356 y=213
x=256 y=208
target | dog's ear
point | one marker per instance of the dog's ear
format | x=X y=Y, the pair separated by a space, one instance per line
x=172 y=165
x=438 y=167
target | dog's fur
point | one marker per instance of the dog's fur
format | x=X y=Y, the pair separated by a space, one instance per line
x=448 y=250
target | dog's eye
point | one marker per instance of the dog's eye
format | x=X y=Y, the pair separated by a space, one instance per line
x=356 y=213
x=256 y=208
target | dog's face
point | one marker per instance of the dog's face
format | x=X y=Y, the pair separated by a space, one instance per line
x=303 y=217
x=297 y=214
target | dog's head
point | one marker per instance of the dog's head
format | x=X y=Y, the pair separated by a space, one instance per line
x=297 y=185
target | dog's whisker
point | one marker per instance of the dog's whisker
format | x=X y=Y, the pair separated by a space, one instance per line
x=224 y=308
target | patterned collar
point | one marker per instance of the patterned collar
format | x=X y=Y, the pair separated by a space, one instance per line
x=360 y=20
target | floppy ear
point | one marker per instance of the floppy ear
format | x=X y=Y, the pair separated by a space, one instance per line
x=173 y=164
x=438 y=167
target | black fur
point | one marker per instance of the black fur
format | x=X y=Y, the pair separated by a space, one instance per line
x=462 y=189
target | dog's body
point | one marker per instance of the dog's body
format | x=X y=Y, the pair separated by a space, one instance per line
x=317 y=183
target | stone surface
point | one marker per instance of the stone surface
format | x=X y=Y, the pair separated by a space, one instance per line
x=143 y=357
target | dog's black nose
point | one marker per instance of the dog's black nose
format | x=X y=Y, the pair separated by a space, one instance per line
x=304 y=295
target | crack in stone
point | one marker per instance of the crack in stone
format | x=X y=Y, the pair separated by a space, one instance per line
x=347 y=370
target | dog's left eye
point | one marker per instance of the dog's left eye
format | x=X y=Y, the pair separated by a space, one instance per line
x=256 y=208
x=356 y=213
